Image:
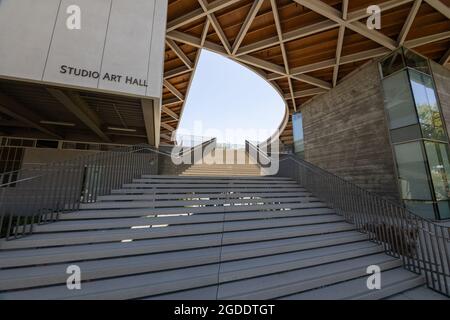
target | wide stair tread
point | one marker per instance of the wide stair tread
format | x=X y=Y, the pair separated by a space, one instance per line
x=213 y=234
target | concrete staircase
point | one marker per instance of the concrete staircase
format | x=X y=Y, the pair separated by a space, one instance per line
x=224 y=162
x=172 y=237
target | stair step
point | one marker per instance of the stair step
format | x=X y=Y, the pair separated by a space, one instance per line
x=181 y=196
x=261 y=266
x=419 y=293
x=208 y=185
x=183 y=203
x=218 y=182
x=29 y=257
x=130 y=287
x=206 y=293
x=198 y=206
x=234 y=182
x=117 y=235
x=139 y=212
x=205 y=190
x=269 y=178
x=285 y=232
x=392 y=282
x=97 y=224
x=20 y=278
x=23 y=278
x=292 y=282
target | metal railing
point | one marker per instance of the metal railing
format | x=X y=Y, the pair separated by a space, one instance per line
x=422 y=245
x=40 y=194
x=190 y=141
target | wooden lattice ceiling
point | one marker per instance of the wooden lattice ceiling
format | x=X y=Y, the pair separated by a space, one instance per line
x=304 y=47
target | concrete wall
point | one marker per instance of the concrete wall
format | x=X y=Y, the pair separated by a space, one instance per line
x=442 y=79
x=120 y=40
x=38 y=156
x=346 y=132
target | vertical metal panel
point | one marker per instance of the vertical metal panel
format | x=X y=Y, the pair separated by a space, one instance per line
x=78 y=48
x=26 y=28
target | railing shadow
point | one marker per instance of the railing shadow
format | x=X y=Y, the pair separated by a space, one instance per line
x=422 y=245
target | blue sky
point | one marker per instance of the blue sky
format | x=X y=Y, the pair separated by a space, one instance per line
x=225 y=97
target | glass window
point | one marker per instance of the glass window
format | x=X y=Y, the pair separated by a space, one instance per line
x=427 y=106
x=444 y=209
x=393 y=63
x=423 y=209
x=417 y=62
x=406 y=134
x=297 y=123
x=413 y=178
x=398 y=101
x=438 y=159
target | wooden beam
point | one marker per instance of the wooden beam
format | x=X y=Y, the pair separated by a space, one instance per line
x=373 y=35
x=313 y=67
x=216 y=25
x=330 y=63
x=176 y=72
x=408 y=23
x=219 y=31
x=195 y=42
x=288 y=36
x=174 y=90
x=427 y=39
x=253 y=61
x=246 y=25
x=306 y=93
x=166 y=137
x=311 y=80
x=170 y=102
x=197 y=58
x=167 y=127
x=80 y=110
x=339 y=47
x=180 y=54
x=276 y=16
x=445 y=58
x=19 y=112
x=199 y=13
x=439 y=6
x=170 y=113
x=384 y=6
x=263 y=64
x=345 y=9
x=335 y=15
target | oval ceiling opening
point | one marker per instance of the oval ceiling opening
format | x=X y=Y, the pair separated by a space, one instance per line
x=230 y=102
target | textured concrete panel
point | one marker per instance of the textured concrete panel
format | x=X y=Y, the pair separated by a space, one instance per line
x=25 y=35
x=156 y=66
x=346 y=132
x=79 y=48
x=119 y=48
x=128 y=46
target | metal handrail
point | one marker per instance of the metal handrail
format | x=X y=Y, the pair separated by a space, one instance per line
x=422 y=245
x=41 y=193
